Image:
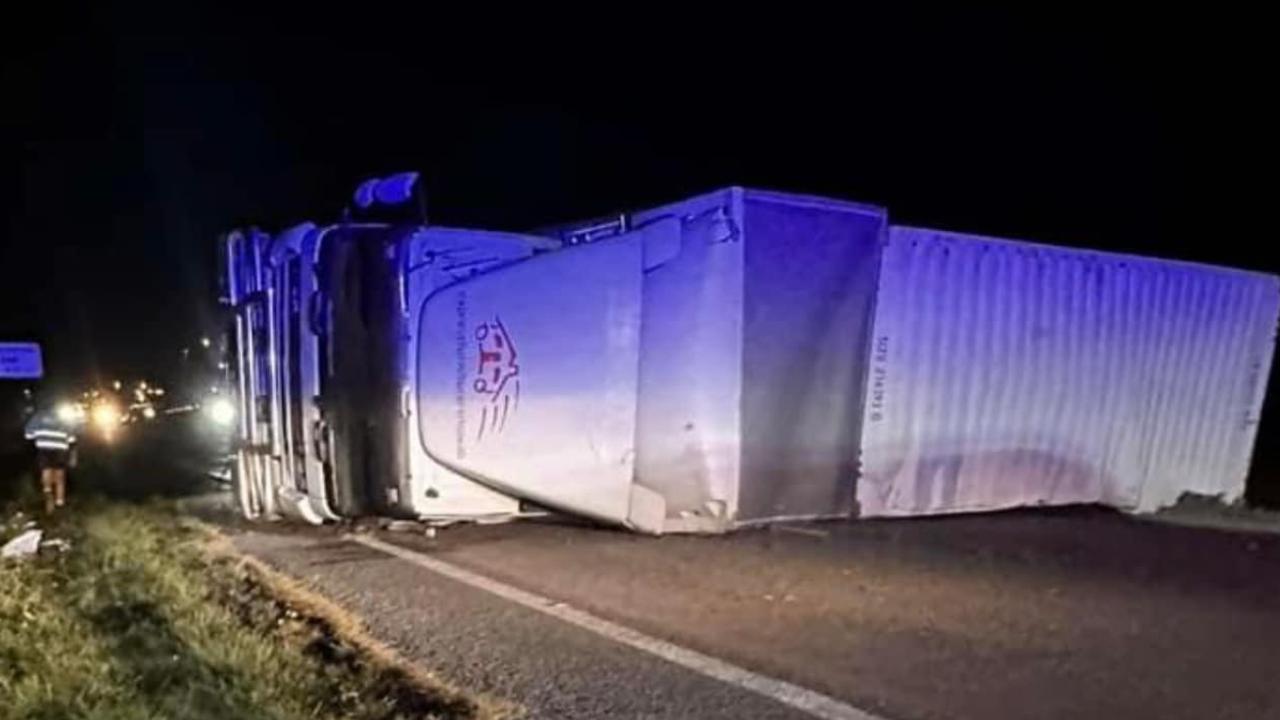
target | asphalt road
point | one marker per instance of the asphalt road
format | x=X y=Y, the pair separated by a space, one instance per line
x=1058 y=614
x=486 y=644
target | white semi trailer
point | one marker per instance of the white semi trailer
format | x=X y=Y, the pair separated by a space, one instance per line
x=735 y=358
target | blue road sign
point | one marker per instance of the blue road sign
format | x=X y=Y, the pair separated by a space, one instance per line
x=20 y=361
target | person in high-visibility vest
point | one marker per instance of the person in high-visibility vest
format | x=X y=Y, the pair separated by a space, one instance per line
x=53 y=433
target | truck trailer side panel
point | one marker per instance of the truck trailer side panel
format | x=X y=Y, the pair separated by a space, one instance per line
x=1006 y=374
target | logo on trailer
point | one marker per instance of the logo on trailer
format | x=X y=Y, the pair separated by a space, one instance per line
x=497 y=377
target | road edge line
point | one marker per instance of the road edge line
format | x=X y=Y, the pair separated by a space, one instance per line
x=795 y=696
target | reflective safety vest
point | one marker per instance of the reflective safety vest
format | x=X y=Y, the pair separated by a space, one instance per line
x=51 y=440
x=48 y=433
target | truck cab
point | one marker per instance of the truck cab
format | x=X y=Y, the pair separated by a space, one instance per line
x=326 y=358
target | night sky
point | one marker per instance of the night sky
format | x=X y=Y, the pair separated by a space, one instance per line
x=126 y=146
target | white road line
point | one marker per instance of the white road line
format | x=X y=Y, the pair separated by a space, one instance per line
x=809 y=701
x=802 y=531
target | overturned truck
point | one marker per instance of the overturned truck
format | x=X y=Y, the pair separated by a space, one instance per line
x=735 y=358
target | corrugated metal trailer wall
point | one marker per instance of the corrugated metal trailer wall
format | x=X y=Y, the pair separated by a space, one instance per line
x=1006 y=374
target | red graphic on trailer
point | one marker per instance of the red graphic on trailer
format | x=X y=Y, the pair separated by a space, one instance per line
x=497 y=376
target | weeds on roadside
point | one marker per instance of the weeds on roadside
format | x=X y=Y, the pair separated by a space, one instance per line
x=137 y=621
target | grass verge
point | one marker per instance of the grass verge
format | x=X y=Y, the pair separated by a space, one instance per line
x=148 y=616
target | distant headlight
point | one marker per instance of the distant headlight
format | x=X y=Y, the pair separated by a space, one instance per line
x=70 y=413
x=106 y=415
x=220 y=410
